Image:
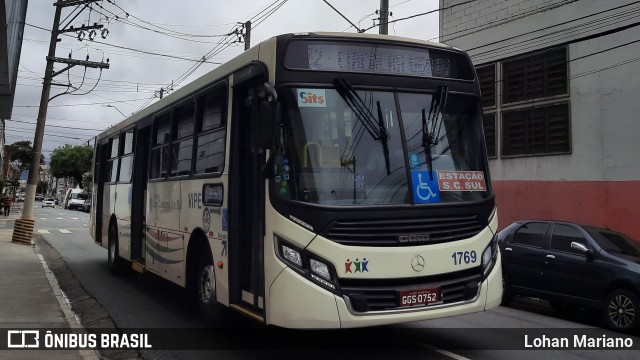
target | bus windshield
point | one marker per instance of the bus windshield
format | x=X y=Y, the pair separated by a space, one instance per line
x=344 y=147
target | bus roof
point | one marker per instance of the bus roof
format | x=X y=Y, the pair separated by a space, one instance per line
x=244 y=58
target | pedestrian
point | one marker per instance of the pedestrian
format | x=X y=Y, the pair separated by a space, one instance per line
x=2 y=197
x=8 y=201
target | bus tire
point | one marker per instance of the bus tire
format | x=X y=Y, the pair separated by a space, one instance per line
x=117 y=265
x=208 y=306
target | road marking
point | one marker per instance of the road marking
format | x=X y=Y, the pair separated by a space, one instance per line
x=42 y=218
x=64 y=231
x=74 y=218
x=60 y=218
x=444 y=352
x=43 y=231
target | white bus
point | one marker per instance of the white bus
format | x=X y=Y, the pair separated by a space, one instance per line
x=318 y=180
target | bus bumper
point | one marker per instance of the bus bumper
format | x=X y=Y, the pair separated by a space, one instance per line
x=489 y=296
x=295 y=302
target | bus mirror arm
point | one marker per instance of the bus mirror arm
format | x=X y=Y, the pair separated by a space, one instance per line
x=269 y=128
x=269 y=119
x=268 y=122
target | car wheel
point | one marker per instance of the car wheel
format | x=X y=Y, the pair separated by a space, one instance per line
x=621 y=310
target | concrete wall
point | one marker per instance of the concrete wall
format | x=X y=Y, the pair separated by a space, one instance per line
x=599 y=181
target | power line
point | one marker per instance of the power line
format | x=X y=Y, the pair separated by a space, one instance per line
x=588 y=72
x=58 y=119
x=83 y=104
x=166 y=32
x=56 y=126
x=416 y=15
x=465 y=32
x=573 y=31
x=344 y=17
x=160 y=27
x=549 y=27
x=147 y=52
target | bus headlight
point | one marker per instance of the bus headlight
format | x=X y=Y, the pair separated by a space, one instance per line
x=320 y=268
x=306 y=264
x=291 y=255
x=489 y=256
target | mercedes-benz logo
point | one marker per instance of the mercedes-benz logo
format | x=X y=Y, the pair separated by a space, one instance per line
x=417 y=263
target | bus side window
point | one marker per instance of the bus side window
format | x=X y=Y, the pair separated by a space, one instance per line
x=182 y=144
x=160 y=151
x=211 y=133
x=112 y=163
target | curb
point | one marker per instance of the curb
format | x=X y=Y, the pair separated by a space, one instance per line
x=63 y=302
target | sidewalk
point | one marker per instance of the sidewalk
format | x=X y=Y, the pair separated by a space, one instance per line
x=30 y=297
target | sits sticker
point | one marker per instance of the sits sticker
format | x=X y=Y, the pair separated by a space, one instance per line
x=311 y=98
x=425 y=187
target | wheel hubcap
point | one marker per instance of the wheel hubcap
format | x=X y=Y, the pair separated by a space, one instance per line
x=621 y=311
x=207 y=285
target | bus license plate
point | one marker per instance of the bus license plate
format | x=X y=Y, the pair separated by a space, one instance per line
x=419 y=297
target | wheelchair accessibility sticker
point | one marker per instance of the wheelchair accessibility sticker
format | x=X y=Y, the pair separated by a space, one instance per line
x=425 y=187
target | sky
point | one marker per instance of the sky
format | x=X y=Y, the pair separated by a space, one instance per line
x=156 y=45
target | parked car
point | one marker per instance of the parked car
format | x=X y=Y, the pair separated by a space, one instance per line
x=48 y=202
x=573 y=265
x=39 y=197
x=75 y=199
x=86 y=206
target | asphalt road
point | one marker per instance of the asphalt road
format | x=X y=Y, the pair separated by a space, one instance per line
x=144 y=301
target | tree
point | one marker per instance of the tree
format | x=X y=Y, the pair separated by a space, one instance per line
x=87 y=182
x=42 y=187
x=71 y=161
x=22 y=156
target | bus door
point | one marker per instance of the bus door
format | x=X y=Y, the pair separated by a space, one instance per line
x=246 y=201
x=102 y=154
x=138 y=194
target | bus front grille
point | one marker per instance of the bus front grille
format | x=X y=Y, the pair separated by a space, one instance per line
x=403 y=232
x=380 y=295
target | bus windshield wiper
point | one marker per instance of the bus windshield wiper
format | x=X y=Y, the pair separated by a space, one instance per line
x=363 y=113
x=430 y=137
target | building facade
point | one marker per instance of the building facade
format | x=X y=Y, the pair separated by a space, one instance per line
x=12 y=17
x=561 y=97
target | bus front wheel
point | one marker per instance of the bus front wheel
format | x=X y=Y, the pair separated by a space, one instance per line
x=206 y=286
x=116 y=264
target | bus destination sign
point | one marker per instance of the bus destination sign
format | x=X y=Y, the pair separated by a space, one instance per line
x=375 y=59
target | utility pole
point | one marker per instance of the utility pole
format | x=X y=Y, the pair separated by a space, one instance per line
x=23 y=228
x=384 y=17
x=247 y=35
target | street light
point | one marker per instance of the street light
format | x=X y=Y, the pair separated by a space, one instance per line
x=111 y=106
